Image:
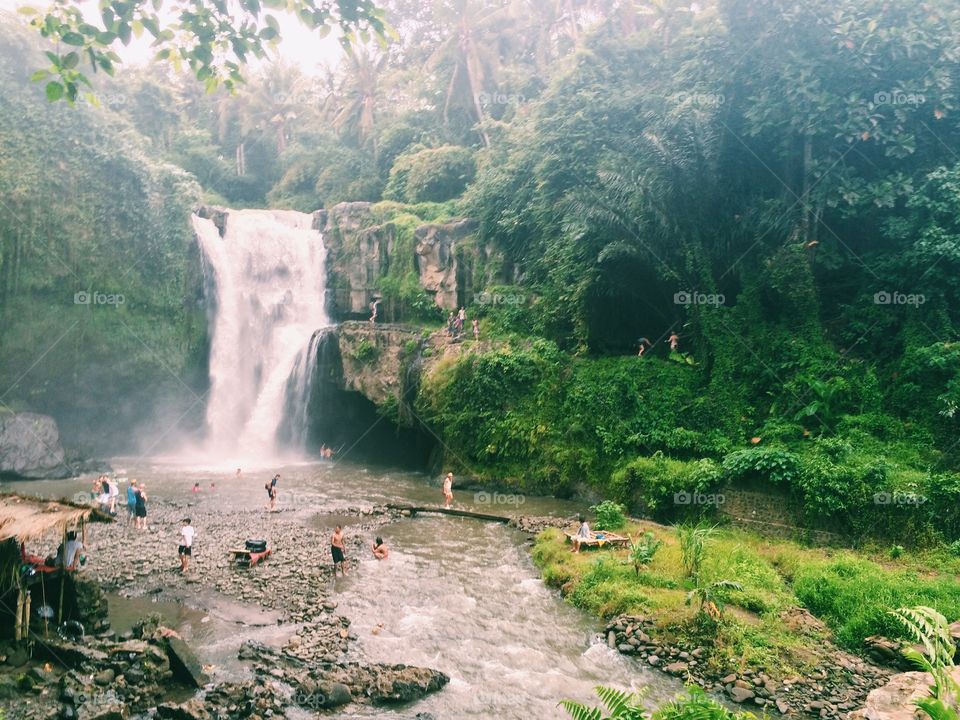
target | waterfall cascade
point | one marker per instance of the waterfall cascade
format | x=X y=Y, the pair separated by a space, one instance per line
x=270 y=284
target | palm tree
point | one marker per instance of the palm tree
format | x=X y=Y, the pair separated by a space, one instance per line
x=473 y=31
x=711 y=597
x=357 y=97
x=665 y=16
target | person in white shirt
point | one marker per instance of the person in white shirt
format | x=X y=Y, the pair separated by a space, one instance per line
x=185 y=551
x=114 y=494
x=68 y=557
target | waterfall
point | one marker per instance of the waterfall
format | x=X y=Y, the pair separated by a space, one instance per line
x=270 y=283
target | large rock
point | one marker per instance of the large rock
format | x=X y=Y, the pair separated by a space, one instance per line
x=30 y=447
x=895 y=700
x=185 y=665
x=373 y=359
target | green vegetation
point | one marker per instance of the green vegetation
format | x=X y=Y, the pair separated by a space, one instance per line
x=759 y=583
x=622 y=705
x=643 y=549
x=212 y=41
x=609 y=515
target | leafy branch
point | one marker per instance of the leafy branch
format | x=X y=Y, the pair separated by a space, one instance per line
x=213 y=38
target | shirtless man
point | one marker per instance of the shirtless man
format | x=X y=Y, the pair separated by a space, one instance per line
x=380 y=551
x=448 y=489
x=338 y=550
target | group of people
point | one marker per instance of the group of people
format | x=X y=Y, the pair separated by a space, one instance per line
x=645 y=344
x=456 y=321
x=338 y=548
x=137 y=504
x=106 y=491
x=326 y=452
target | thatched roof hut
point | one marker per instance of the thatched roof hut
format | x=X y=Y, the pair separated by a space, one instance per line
x=28 y=518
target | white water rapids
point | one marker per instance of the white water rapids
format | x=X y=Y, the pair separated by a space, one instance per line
x=270 y=279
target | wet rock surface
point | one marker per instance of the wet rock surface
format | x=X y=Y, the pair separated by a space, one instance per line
x=832 y=690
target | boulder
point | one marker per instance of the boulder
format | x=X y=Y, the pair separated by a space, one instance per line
x=192 y=709
x=30 y=447
x=894 y=701
x=739 y=694
x=185 y=665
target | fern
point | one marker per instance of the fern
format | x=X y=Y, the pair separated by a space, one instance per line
x=930 y=629
x=620 y=704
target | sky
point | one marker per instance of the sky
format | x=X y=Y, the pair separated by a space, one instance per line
x=299 y=46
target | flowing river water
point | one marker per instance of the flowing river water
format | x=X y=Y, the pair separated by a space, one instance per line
x=459 y=595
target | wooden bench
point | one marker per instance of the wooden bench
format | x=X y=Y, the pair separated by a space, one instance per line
x=600 y=538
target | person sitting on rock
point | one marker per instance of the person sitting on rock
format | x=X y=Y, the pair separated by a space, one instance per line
x=380 y=551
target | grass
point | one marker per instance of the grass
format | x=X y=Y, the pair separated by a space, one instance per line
x=850 y=592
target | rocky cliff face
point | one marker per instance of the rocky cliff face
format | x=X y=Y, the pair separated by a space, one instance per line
x=364 y=248
x=377 y=360
x=30 y=447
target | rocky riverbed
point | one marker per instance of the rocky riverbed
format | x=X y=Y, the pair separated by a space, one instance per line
x=105 y=677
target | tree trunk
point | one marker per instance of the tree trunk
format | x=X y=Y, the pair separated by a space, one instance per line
x=805 y=194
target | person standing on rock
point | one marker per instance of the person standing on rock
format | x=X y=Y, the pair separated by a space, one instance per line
x=185 y=550
x=141 y=507
x=114 y=494
x=271 y=488
x=132 y=501
x=448 y=490
x=338 y=550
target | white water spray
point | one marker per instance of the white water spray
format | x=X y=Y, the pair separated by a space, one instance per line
x=270 y=278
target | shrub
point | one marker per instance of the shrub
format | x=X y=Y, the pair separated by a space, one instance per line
x=653 y=483
x=609 y=515
x=431 y=174
x=779 y=466
x=642 y=550
x=365 y=352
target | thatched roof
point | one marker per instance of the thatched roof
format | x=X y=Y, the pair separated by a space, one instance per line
x=27 y=518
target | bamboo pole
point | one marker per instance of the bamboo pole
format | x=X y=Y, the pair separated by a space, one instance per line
x=18 y=630
x=63 y=576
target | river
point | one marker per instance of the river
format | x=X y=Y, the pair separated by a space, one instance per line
x=459 y=595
